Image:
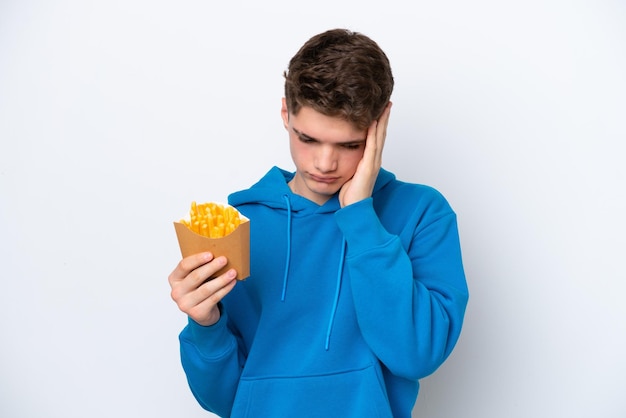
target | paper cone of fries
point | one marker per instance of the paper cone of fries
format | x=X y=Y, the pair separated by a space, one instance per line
x=235 y=245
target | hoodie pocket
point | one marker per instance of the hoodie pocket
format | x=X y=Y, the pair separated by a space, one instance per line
x=349 y=394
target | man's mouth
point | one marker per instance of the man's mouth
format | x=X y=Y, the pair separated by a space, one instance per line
x=323 y=179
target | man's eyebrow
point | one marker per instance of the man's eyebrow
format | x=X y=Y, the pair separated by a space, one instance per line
x=310 y=138
x=304 y=136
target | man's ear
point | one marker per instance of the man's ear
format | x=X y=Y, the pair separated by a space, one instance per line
x=284 y=113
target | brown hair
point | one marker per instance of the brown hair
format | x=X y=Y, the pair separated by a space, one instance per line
x=340 y=73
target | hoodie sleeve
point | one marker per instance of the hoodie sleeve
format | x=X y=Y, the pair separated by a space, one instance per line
x=210 y=359
x=409 y=290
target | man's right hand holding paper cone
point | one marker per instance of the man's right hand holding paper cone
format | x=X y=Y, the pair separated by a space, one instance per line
x=194 y=294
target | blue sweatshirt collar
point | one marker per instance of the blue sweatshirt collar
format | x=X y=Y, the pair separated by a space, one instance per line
x=272 y=188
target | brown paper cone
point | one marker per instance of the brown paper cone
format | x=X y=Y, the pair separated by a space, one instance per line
x=234 y=246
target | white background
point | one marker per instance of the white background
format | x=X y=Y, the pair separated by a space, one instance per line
x=114 y=115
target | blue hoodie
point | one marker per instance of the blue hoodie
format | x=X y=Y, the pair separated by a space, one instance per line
x=345 y=309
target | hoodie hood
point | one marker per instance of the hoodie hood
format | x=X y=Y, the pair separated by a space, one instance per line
x=272 y=189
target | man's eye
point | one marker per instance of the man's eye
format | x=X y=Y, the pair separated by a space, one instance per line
x=352 y=146
x=306 y=140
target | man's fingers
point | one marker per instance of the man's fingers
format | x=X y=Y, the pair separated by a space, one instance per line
x=206 y=271
x=187 y=265
x=199 y=301
x=195 y=279
x=376 y=135
x=211 y=293
x=381 y=129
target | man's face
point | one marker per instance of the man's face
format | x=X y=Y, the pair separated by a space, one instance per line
x=325 y=150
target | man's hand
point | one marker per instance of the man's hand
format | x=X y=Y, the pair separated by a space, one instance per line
x=196 y=296
x=361 y=185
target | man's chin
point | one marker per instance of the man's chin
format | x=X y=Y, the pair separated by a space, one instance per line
x=323 y=193
x=324 y=189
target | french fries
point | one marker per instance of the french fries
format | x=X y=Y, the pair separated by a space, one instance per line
x=212 y=220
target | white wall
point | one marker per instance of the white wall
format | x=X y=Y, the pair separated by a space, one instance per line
x=114 y=115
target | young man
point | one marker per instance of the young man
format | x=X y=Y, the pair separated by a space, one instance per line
x=357 y=288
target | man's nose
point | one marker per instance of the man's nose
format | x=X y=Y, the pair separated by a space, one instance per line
x=326 y=159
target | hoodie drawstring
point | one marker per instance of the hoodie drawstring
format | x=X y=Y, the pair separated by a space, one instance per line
x=337 y=291
x=333 y=311
x=287 y=262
